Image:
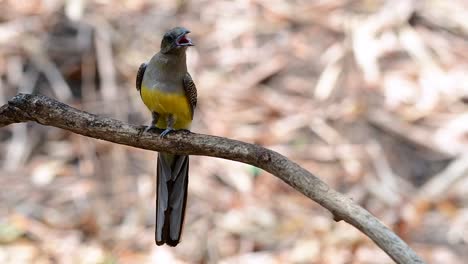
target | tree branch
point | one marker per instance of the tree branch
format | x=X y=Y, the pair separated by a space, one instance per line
x=46 y=111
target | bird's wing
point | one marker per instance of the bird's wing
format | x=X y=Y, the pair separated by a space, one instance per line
x=139 y=78
x=190 y=91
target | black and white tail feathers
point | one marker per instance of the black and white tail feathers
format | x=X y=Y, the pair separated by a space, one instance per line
x=171 y=198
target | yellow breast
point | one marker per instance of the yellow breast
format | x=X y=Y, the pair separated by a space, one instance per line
x=166 y=103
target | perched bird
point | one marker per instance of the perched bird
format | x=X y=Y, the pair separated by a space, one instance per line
x=168 y=91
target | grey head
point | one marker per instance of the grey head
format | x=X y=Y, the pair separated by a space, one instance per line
x=176 y=40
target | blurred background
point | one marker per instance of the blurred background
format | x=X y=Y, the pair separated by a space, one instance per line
x=370 y=96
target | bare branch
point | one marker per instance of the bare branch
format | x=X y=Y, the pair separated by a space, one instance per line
x=46 y=111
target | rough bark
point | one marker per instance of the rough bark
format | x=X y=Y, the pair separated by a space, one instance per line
x=46 y=111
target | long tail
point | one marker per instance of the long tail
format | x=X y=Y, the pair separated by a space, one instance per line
x=171 y=198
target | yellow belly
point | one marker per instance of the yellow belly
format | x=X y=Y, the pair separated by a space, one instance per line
x=168 y=103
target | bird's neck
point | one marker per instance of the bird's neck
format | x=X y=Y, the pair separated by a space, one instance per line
x=175 y=61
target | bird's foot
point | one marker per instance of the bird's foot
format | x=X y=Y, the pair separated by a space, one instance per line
x=165 y=132
x=149 y=128
x=141 y=131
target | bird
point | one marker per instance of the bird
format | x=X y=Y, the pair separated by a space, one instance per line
x=168 y=91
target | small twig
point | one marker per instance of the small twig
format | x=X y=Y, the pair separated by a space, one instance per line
x=262 y=72
x=405 y=131
x=388 y=187
x=2 y=92
x=11 y=31
x=105 y=61
x=331 y=74
x=442 y=182
x=432 y=14
x=46 y=111
x=365 y=34
x=58 y=84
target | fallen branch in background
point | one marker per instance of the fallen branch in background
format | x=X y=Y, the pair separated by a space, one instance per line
x=46 y=111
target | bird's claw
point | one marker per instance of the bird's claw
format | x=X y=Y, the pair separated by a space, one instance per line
x=165 y=132
x=148 y=128
x=142 y=130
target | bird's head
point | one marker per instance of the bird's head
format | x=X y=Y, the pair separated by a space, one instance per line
x=175 y=40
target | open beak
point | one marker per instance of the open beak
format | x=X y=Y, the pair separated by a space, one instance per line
x=183 y=40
